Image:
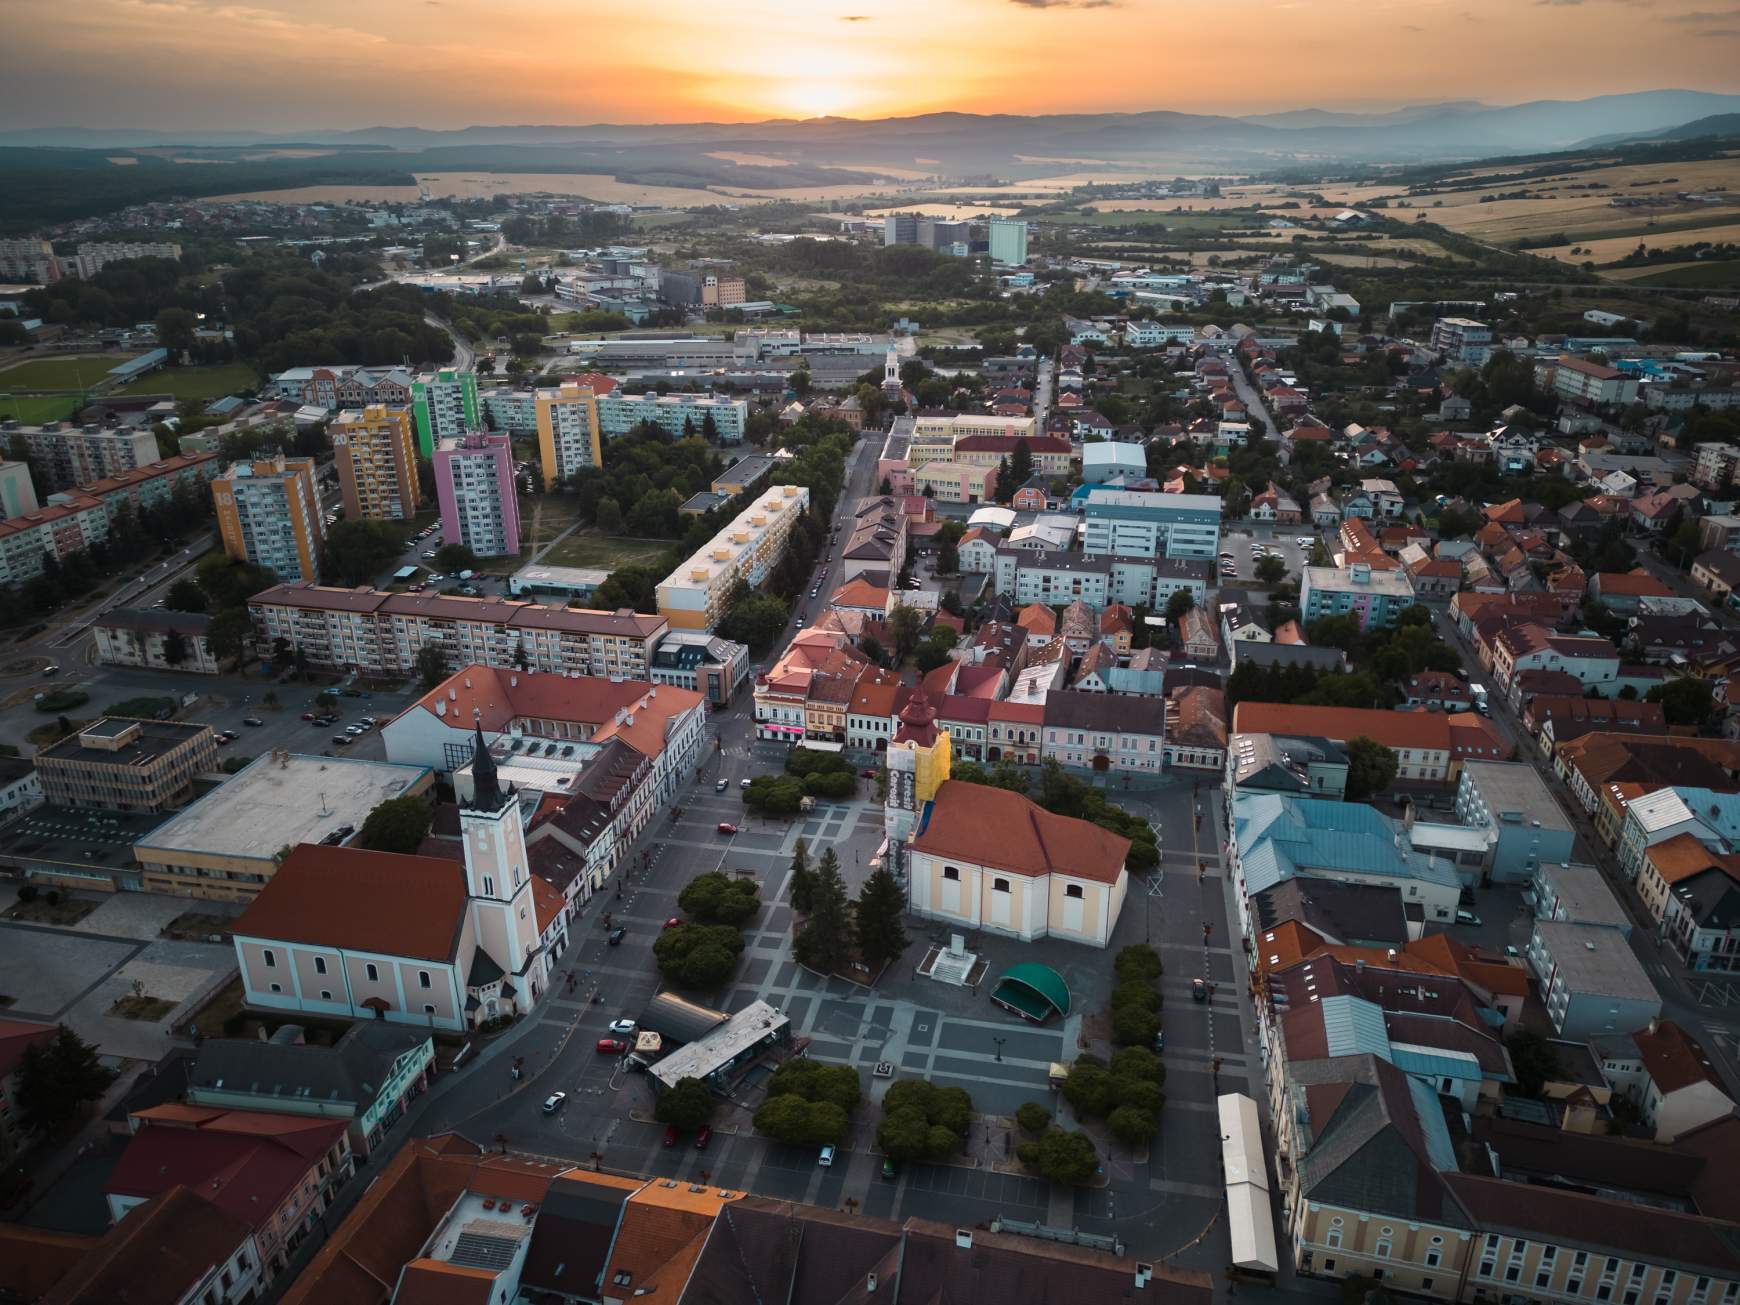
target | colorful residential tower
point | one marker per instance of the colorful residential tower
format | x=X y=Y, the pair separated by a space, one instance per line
x=444 y=404
x=474 y=484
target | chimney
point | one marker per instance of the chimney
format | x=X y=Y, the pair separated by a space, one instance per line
x=1143 y=1273
x=870 y=1283
x=963 y=1239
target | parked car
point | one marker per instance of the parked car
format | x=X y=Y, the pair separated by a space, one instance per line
x=611 y=1046
x=726 y=827
x=826 y=1158
x=1467 y=917
x=554 y=1102
x=742 y=783
x=670 y=1134
x=253 y=722
x=674 y=921
x=888 y=1169
x=703 y=1136
x=342 y=740
x=616 y=935
x=1510 y=950
x=721 y=786
x=622 y=1027
x=869 y=772
x=50 y=669
x=307 y=715
x=1198 y=990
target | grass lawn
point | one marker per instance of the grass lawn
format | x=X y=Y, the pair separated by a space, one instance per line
x=71 y=373
x=37 y=412
x=589 y=548
x=197 y=382
x=131 y=1007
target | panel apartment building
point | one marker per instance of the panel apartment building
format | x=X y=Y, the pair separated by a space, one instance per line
x=377 y=462
x=268 y=513
x=380 y=633
x=1136 y=524
x=116 y=764
x=474 y=485
x=444 y=405
x=66 y=455
x=693 y=596
x=94 y=256
x=569 y=434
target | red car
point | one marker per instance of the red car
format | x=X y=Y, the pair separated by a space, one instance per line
x=673 y=922
x=703 y=1137
x=307 y=715
x=670 y=1134
x=727 y=828
x=611 y=1046
x=868 y=773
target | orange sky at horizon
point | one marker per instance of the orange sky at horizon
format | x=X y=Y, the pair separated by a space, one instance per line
x=280 y=65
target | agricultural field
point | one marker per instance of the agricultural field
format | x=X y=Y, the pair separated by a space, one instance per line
x=589 y=548
x=72 y=372
x=1612 y=248
x=184 y=383
x=1706 y=274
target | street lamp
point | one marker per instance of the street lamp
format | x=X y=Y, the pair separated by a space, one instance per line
x=999 y=1042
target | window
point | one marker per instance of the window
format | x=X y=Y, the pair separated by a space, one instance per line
x=320 y=965
x=373 y=971
x=428 y=1009
x=423 y=979
x=271 y=959
x=1329 y=1266
x=1573 y=1286
x=1333 y=1238
x=326 y=994
x=1072 y=890
x=999 y=885
x=488 y=886
x=1382 y=1249
x=277 y=987
x=952 y=874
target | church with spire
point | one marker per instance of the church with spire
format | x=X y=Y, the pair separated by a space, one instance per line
x=918 y=759
x=448 y=941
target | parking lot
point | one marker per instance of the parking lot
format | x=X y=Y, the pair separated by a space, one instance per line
x=1280 y=540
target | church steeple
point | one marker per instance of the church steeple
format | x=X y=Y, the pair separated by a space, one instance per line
x=487 y=791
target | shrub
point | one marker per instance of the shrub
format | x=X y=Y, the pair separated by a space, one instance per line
x=698 y=955
x=1033 y=1118
x=1134 y=1026
x=27 y=893
x=921 y=1121
x=52 y=897
x=1139 y=963
x=1131 y=1125
x=813 y=1081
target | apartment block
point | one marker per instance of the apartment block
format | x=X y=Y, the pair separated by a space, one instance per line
x=474 y=485
x=17 y=493
x=569 y=434
x=513 y=411
x=1138 y=524
x=1008 y=241
x=1716 y=464
x=377 y=462
x=380 y=633
x=1462 y=340
x=28 y=261
x=723 y=291
x=268 y=513
x=1374 y=597
x=1591 y=384
x=66 y=455
x=693 y=596
x=126 y=765
x=675 y=414
x=94 y=256
x=445 y=406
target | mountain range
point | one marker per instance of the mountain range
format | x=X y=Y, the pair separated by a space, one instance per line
x=1008 y=143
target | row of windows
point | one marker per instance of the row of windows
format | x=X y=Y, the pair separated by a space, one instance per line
x=369 y=968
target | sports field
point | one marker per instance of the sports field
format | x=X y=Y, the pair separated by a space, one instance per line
x=68 y=372
x=195 y=382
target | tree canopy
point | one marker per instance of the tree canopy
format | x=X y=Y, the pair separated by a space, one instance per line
x=397 y=825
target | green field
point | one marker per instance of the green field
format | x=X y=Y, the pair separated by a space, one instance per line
x=72 y=373
x=196 y=382
x=37 y=412
x=1707 y=275
x=588 y=548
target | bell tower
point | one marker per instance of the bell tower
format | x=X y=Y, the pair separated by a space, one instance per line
x=497 y=878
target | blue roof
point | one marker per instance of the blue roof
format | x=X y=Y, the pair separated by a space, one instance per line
x=1279 y=836
x=1435 y=1063
x=1439 y=1149
x=1353 y=1026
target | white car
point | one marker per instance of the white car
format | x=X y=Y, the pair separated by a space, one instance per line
x=1304 y=541
x=554 y=1102
x=624 y=1028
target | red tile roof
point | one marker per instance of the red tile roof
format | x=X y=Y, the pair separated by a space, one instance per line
x=349 y=897
x=1393 y=729
x=494 y=697
x=157 y=1255
x=992 y=826
x=15 y=1037
x=1673 y=1058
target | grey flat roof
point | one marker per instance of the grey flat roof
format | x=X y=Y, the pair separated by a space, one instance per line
x=280 y=801
x=1596 y=960
x=1584 y=894
x=1508 y=786
x=156 y=738
x=755 y=1023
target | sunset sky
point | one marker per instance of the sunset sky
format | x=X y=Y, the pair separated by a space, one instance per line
x=288 y=64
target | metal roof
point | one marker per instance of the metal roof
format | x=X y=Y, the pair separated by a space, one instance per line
x=1042 y=979
x=1354 y=1027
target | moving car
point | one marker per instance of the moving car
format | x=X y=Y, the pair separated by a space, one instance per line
x=721 y=786
x=1467 y=917
x=616 y=935
x=50 y=669
x=253 y=722
x=611 y=1046
x=742 y=783
x=703 y=1136
x=623 y=1027
x=1198 y=990
x=307 y=715
x=826 y=1158
x=726 y=827
x=554 y=1102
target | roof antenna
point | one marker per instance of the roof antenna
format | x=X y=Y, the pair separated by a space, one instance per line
x=323 y=810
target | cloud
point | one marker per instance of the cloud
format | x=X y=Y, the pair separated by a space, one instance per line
x=1412 y=27
x=1706 y=16
x=1065 y=4
x=854 y=18
x=1722 y=33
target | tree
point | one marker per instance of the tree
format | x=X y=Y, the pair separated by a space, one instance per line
x=229 y=635
x=431 y=664
x=789 y=1118
x=1139 y=963
x=686 y=1105
x=175 y=330
x=184 y=596
x=948 y=558
x=756 y=620
x=357 y=551
x=1533 y=1059
x=698 y=955
x=455 y=557
x=1033 y=1118
x=174 y=648
x=934 y=651
x=826 y=936
x=775 y=795
x=1000 y=488
x=1063 y=1157
x=881 y=906
x=607 y=516
x=905 y=622
x=56 y=1077
x=921 y=1121
x=1370 y=768
x=802 y=878
x=397 y=825
x=1020 y=469
x=1271 y=569
x=1131 y=1125
x=1182 y=601
x=1685 y=701
x=719 y=898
